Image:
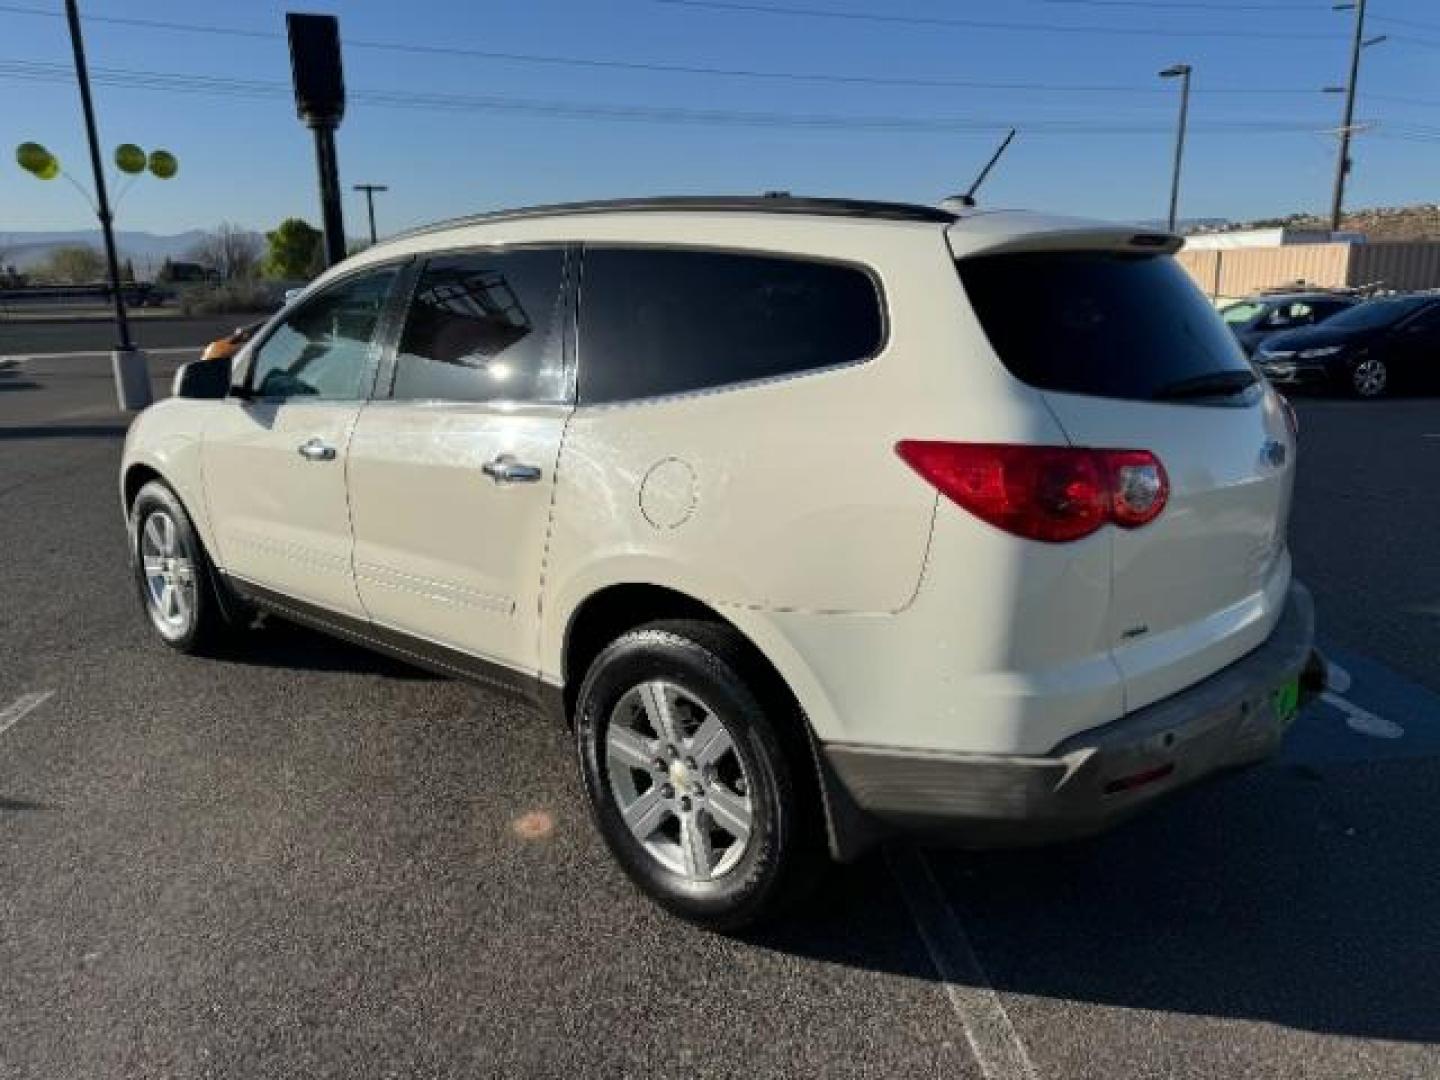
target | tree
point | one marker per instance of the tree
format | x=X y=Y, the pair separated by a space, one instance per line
x=73 y=264
x=231 y=252
x=293 y=245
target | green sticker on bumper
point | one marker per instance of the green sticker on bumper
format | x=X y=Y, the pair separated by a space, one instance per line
x=1286 y=700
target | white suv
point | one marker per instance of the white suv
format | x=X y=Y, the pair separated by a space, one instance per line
x=816 y=519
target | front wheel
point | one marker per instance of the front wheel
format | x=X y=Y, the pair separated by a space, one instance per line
x=1369 y=378
x=171 y=572
x=698 y=793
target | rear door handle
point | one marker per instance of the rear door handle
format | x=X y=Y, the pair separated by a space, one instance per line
x=506 y=470
x=317 y=450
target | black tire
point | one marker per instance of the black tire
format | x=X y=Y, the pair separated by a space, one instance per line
x=201 y=629
x=782 y=856
x=1369 y=378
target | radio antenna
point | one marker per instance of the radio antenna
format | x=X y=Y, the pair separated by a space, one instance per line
x=969 y=196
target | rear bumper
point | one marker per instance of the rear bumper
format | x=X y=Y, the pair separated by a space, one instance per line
x=1098 y=777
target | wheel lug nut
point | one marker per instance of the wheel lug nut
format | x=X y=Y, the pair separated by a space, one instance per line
x=690 y=763
x=685 y=805
x=659 y=764
x=667 y=792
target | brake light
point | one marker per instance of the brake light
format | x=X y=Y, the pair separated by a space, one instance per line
x=1049 y=493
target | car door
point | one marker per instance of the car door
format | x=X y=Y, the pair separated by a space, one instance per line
x=274 y=458
x=453 y=466
x=1414 y=349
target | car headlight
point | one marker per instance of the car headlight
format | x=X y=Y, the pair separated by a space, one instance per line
x=1316 y=354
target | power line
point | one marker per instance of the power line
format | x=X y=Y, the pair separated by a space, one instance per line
x=606 y=63
x=26 y=70
x=742 y=7
x=1184 y=5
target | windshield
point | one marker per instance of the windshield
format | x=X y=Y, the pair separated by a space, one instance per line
x=1376 y=313
x=1241 y=313
x=1104 y=323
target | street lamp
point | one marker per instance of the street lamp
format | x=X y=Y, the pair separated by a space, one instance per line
x=132 y=373
x=1181 y=72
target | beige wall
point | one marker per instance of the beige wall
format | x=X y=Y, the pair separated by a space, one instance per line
x=1397 y=264
x=1401 y=264
x=1242 y=271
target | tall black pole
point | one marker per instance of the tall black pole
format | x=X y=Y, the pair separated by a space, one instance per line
x=1183 y=70
x=102 y=208
x=330 y=214
x=1342 y=167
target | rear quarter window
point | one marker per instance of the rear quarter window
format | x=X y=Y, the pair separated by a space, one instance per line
x=656 y=322
x=1105 y=324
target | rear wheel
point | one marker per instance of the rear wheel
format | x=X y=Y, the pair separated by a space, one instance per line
x=697 y=791
x=1370 y=377
x=171 y=571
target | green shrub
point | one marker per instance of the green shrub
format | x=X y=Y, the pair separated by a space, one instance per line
x=234 y=297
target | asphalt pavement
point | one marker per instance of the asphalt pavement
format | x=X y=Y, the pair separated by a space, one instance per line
x=300 y=859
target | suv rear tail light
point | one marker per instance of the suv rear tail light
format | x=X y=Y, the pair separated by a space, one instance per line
x=1049 y=493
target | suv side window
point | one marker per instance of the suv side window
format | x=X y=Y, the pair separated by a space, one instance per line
x=322 y=351
x=485 y=326
x=657 y=321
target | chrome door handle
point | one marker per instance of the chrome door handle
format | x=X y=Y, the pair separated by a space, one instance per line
x=317 y=450
x=506 y=470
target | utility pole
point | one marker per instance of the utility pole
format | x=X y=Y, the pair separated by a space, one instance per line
x=370 y=190
x=1182 y=72
x=1347 y=123
x=132 y=374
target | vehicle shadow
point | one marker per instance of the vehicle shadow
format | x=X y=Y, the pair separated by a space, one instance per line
x=18 y=806
x=277 y=643
x=64 y=431
x=1293 y=896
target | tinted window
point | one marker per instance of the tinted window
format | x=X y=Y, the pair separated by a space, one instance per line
x=485 y=327
x=1111 y=325
x=322 y=350
x=667 y=322
x=1374 y=314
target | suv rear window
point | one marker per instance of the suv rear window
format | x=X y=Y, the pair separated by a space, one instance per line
x=657 y=321
x=1105 y=324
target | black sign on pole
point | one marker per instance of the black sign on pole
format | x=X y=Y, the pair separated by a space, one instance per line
x=320 y=102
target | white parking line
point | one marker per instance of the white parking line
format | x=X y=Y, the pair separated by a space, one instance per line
x=992 y=1037
x=167 y=351
x=21 y=707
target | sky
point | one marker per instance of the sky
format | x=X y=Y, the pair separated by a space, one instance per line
x=452 y=128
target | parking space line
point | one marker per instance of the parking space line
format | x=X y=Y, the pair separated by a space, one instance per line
x=21 y=707
x=992 y=1037
x=165 y=351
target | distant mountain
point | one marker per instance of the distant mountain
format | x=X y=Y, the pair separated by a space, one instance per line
x=1419 y=222
x=1189 y=225
x=23 y=250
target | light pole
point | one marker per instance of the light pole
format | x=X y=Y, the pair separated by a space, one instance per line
x=1181 y=72
x=370 y=190
x=1347 y=123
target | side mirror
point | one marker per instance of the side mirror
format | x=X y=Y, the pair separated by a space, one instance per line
x=202 y=379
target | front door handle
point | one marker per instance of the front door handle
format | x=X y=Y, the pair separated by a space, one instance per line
x=317 y=450
x=506 y=470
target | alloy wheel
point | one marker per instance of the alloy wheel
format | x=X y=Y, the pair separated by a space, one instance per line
x=1370 y=377
x=679 y=781
x=169 y=570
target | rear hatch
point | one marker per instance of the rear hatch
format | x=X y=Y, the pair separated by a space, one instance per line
x=1128 y=354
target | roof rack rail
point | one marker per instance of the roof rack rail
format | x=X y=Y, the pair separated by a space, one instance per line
x=768 y=203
